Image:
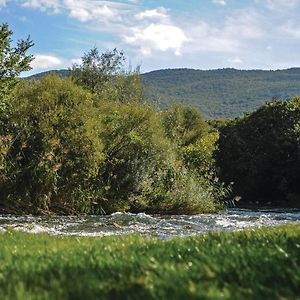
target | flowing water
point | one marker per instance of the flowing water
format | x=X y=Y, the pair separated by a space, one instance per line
x=157 y=225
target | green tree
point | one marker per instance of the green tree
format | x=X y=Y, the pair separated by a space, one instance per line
x=184 y=125
x=97 y=69
x=105 y=75
x=199 y=155
x=260 y=153
x=55 y=151
x=13 y=61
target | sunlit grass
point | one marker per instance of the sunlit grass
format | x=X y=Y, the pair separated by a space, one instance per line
x=251 y=264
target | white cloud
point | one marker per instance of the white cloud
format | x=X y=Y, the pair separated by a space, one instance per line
x=159 y=13
x=206 y=38
x=245 y=24
x=42 y=61
x=2 y=3
x=161 y=37
x=82 y=10
x=43 y=5
x=280 y=4
x=86 y=10
x=230 y=37
x=23 y=19
x=235 y=60
x=291 y=29
x=219 y=2
x=76 y=61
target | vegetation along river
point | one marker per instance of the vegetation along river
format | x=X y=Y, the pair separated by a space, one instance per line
x=157 y=225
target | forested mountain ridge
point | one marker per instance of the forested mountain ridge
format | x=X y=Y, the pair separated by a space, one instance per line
x=220 y=93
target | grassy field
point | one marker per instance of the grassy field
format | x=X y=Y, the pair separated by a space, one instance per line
x=252 y=264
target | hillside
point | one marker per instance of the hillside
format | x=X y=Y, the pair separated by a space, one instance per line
x=221 y=93
x=218 y=93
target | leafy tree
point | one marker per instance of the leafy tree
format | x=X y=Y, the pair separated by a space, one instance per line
x=199 y=156
x=184 y=125
x=97 y=69
x=13 y=61
x=135 y=146
x=105 y=75
x=55 y=151
x=260 y=153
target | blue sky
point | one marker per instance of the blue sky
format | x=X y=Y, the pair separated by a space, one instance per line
x=200 y=34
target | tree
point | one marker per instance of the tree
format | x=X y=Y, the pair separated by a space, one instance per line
x=105 y=75
x=13 y=60
x=55 y=151
x=260 y=153
x=97 y=69
x=184 y=125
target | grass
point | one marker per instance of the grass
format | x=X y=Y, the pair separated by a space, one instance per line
x=251 y=264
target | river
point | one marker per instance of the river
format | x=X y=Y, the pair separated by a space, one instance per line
x=156 y=225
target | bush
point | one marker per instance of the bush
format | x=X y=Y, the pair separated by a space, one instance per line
x=67 y=150
x=134 y=144
x=199 y=156
x=184 y=125
x=142 y=170
x=55 y=151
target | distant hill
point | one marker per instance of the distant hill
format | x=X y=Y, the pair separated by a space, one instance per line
x=60 y=73
x=221 y=93
x=218 y=93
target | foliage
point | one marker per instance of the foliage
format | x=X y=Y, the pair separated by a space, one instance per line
x=13 y=60
x=97 y=69
x=211 y=266
x=104 y=74
x=184 y=125
x=195 y=142
x=70 y=151
x=218 y=94
x=260 y=153
x=142 y=171
x=124 y=88
x=134 y=144
x=199 y=156
x=54 y=150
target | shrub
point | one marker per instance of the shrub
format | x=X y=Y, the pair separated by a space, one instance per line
x=142 y=172
x=55 y=151
x=184 y=125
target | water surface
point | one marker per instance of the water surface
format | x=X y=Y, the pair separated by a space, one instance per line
x=157 y=225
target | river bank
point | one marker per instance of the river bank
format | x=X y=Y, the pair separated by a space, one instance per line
x=249 y=264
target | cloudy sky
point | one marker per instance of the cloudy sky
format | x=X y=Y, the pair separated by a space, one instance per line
x=200 y=34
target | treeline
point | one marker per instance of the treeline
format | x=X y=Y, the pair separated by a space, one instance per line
x=88 y=144
x=223 y=93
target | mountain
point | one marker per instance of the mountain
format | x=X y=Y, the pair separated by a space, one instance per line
x=221 y=93
x=60 y=73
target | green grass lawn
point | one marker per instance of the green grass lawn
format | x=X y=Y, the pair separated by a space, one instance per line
x=251 y=264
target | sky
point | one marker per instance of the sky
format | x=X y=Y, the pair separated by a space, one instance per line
x=199 y=34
